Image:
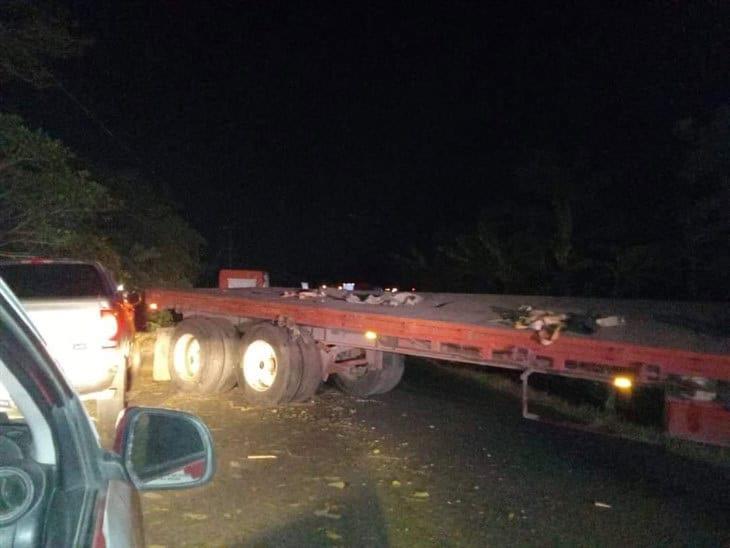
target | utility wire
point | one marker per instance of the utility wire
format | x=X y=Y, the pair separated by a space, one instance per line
x=101 y=125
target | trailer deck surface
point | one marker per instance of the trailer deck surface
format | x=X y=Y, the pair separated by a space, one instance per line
x=695 y=333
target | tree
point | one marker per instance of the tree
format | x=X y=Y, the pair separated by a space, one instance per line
x=49 y=205
x=157 y=246
x=702 y=202
x=34 y=34
x=525 y=243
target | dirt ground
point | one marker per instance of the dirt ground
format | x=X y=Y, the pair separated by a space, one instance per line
x=440 y=461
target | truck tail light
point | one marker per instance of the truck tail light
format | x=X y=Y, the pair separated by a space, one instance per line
x=109 y=327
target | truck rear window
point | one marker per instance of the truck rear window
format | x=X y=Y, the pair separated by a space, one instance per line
x=40 y=281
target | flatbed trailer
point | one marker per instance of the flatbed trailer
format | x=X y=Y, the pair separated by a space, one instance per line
x=279 y=347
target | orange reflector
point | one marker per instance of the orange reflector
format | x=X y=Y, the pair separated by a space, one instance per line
x=371 y=335
x=623 y=383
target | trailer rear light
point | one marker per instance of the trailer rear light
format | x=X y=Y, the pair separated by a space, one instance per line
x=152 y=306
x=371 y=335
x=109 y=327
x=623 y=383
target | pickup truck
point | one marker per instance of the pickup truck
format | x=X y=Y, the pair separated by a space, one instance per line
x=86 y=323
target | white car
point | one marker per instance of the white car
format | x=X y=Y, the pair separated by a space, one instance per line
x=57 y=486
x=86 y=323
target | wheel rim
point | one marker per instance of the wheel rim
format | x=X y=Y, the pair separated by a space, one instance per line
x=260 y=365
x=186 y=357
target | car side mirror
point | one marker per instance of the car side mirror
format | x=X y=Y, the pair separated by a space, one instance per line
x=165 y=449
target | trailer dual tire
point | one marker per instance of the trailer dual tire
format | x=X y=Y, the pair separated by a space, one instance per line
x=364 y=381
x=270 y=367
x=202 y=355
x=231 y=340
x=391 y=373
x=311 y=369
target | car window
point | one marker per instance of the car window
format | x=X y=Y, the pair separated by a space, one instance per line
x=19 y=404
x=29 y=281
x=9 y=411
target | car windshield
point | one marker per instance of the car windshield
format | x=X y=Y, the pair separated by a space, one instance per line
x=38 y=281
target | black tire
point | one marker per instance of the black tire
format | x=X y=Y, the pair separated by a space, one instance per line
x=296 y=363
x=197 y=369
x=364 y=381
x=392 y=372
x=230 y=337
x=311 y=370
x=107 y=411
x=269 y=368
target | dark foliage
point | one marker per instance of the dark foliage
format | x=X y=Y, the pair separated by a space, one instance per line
x=570 y=228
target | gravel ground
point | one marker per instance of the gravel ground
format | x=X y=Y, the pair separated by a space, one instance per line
x=440 y=461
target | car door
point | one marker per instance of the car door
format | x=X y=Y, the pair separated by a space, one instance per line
x=75 y=496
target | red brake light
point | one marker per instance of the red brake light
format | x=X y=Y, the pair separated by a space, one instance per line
x=196 y=469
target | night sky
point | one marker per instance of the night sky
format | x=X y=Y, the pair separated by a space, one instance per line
x=316 y=140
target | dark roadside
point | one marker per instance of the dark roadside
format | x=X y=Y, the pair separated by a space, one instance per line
x=440 y=461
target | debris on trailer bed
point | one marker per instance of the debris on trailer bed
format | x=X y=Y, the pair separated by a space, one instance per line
x=355 y=297
x=548 y=325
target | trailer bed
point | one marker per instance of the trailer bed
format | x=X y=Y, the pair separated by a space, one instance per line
x=682 y=346
x=671 y=338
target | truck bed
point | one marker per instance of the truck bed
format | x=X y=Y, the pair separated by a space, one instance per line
x=683 y=338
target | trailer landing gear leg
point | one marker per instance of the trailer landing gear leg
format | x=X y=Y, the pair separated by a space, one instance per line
x=525 y=377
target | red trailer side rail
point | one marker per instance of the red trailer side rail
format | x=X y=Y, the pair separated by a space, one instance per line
x=653 y=346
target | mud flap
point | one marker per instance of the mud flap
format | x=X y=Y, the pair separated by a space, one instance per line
x=702 y=421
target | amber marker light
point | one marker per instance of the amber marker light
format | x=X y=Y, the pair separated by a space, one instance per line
x=623 y=383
